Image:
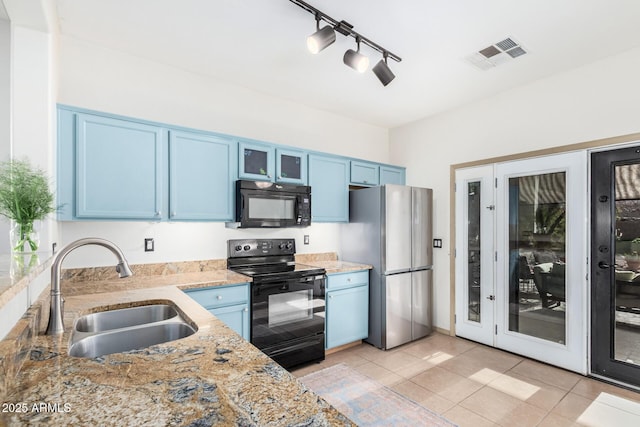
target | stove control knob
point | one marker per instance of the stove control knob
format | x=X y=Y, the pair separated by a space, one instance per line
x=238 y=248
x=247 y=247
x=289 y=246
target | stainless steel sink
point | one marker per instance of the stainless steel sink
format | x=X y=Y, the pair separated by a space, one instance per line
x=133 y=338
x=122 y=318
x=116 y=331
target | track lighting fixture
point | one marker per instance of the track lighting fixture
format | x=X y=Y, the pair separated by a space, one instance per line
x=356 y=60
x=321 y=38
x=383 y=72
x=326 y=35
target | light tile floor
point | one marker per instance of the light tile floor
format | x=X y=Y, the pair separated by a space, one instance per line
x=475 y=385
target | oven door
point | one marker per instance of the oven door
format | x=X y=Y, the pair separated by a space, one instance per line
x=288 y=315
x=267 y=209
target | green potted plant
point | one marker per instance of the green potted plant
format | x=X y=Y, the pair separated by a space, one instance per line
x=24 y=199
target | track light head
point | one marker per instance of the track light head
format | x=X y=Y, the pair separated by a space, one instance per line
x=321 y=39
x=355 y=59
x=383 y=72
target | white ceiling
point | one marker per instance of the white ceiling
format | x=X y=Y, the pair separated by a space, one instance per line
x=260 y=44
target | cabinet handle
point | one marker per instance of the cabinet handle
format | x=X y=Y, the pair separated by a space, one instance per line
x=269 y=176
x=245 y=309
x=173 y=213
x=349 y=279
x=330 y=296
x=219 y=297
x=158 y=213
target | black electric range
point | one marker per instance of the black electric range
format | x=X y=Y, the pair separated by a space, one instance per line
x=287 y=299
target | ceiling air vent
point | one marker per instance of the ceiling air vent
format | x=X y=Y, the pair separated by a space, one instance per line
x=496 y=54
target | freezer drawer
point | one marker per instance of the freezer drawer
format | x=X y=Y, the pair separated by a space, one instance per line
x=397 y=324
x=421 y=303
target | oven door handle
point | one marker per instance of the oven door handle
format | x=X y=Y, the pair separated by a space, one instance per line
x=269 y=287
x=299 y=346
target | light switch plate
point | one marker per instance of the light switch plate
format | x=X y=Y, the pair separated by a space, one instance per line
x=149 y=245
x=306 y=239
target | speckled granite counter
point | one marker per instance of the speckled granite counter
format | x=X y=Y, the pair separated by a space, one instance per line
x=329 y=261
x=213 y=377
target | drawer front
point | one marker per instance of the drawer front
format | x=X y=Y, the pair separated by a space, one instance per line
x=346 y=280
x=220 y=296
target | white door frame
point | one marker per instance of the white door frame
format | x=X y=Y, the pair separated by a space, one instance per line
x=573 y=354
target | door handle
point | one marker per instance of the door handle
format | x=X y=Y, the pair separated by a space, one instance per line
x=603 y=265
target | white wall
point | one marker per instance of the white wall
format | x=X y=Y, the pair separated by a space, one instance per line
x=33 y=107
x=105 y=80
x=5 y=113
x=592 y=102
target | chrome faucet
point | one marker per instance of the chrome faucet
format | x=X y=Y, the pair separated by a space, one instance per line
x=55 y=325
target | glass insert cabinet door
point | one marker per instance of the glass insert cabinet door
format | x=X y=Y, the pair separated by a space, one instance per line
x=291 y=166
x=261 y=162
x=256 y=161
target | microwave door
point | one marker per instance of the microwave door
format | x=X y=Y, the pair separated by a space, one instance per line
x=261 y=210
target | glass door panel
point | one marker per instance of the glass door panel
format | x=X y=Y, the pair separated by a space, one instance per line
x=537 y=254
x=626 y=289
x=474 y=191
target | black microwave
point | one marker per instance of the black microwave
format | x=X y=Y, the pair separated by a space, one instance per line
x=268 y=204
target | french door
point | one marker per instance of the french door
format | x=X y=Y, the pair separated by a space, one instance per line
x=615 y=268
x=474 y=254
x=521 y=286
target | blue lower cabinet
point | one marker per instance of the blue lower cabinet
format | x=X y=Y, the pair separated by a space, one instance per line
x=228 y=303
x=347 y=308
x=236 y=317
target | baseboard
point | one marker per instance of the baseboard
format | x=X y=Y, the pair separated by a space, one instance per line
x=342 y=347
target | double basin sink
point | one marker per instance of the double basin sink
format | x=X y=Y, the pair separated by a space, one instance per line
x=117 y=331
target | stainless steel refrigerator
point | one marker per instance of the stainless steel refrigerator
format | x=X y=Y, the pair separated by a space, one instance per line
x=390 y=227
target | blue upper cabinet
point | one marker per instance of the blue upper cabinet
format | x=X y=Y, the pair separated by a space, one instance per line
x=392 y=175
x=363 y=173
x=119 y=169
x=201 y=175
x=114 y=167
x=291 y=166
x=329 y=181
x=256 y=161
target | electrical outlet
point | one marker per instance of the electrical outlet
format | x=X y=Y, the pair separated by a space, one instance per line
x=306 y=239
x=149 y=245
x=437 y=243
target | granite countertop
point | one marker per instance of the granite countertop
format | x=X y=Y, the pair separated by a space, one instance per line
x=213 y=377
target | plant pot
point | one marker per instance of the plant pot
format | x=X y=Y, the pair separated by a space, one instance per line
x=633 y=264
x=25 y=238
